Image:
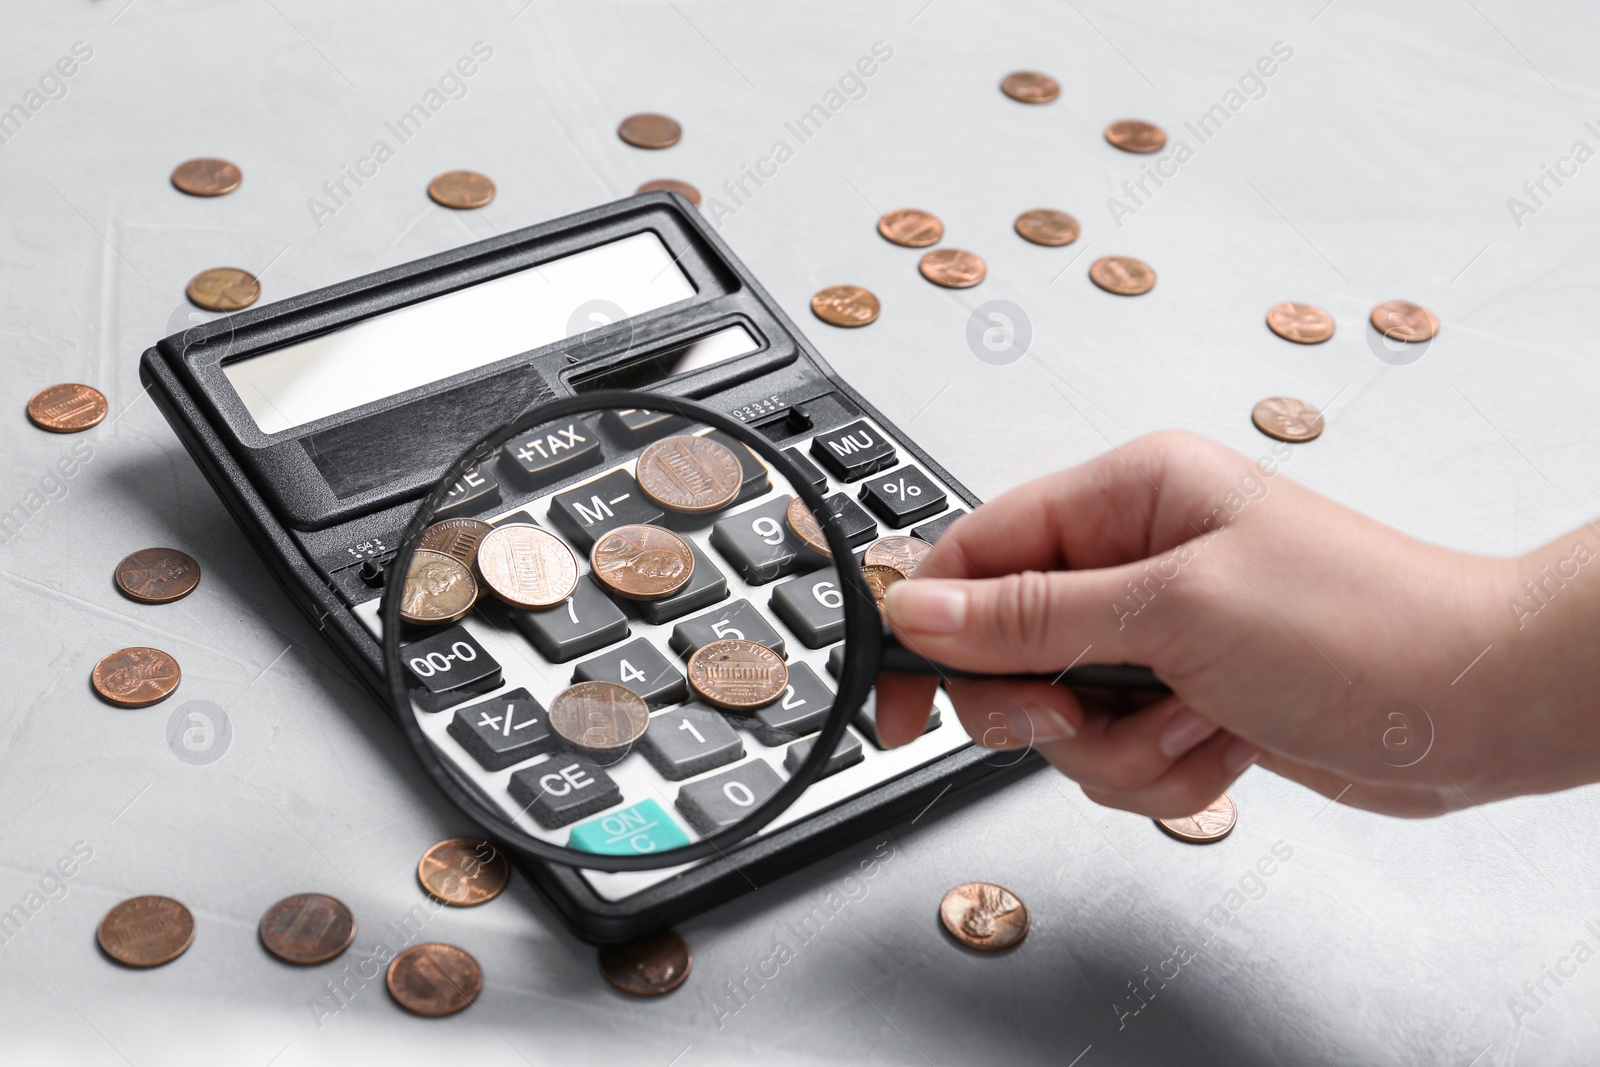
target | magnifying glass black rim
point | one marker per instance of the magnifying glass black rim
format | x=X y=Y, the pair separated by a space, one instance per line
x=863 y=635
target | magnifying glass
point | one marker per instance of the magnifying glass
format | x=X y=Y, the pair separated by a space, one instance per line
x=556 y=581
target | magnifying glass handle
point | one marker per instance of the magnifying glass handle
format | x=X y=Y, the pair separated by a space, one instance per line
x=1128 y=677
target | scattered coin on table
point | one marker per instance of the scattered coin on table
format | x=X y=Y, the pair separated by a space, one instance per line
x=135 y=677
x=671 y=185
x=1212 y=824
x=879 y=577
x=599 y=716
x=1134 y=135
x=1402 y=320
x=900 y=551
x=689 y=474
x=910 y=228
x=845 y=305
x=650 y=966
x=146 y=931
x=1047 y=226
x=438 y=589
x=434 y=980
x=1287 y=419
x=806 y=527
x=206 y=177
x=953 y=268
x=736 y=674
x=650 y=131
x=457 y=538
x=463 y=872
x=527 y=566
x=67 y=408
x=157 y=575
x=307 y=928
x=1030 y=87
x=642 y=562
x=984 y=916
x=223 y=289
x=1122 y=275
x=461 y=190
x=1304 y=324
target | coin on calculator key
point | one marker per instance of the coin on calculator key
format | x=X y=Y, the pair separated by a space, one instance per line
x=1122 y=275
x=953 y=268
x=223 y=289
x=806 y=527
x=642 y=562
x=463 y=871
x=1304 y=324
x=599 y=716
x=146 y=931
x=1287 y=419
x=737 y=674
x=690 y=474
x=136 y=677
x=438 y=589
x=1213 y=824
x=879 y=577
x=307 y=928
x=434 y=980
x=984 y=916
x=157 y=575
x=910 y=228
x=457 y=538
x=527 y=566
x=67 y=408
x=1030 y=87
x=649 y=966
x=899 y=551
x=845 y=305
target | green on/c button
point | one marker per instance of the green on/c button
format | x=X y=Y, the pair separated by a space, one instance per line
x=644 y=827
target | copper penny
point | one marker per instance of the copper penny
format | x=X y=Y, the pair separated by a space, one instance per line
x=1401 y=320
x=807 y=528
x=879 y=577
x=690 y=474
x=650 y=131
x=136 y=677
x=984 y=916
x=671 y=185
x=899 y=551
x=1133 y=135
x=463 y=871
x=307 y=928
x=1047 y=226
x=953 y=268
x=642 y=562
x=461 y=190
x=1122 y=275
x=457 y=538
x=1304 y=324
x=438 y=589
x=737 y=674
x=206 y=177
x=434 y=980
x=1030 y=87
x=845 y=305
x=650 y=966
x=146 y=931
x=1287 y=419
x=67 y=408
x=910 y=228
x=1213 y=824
x=157 y=575
x=527 y=566
x=599 y=716
x=223 y=289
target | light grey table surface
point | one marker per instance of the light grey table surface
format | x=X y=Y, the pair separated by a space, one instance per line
x=1376 y=163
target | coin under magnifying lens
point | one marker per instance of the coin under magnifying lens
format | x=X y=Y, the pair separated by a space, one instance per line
x=438 y=589
x=737 y=674
x=689 y=474
x=807 y=528
x=900 y=551
x=599 y=716
x=642 y=562
x=527 y=566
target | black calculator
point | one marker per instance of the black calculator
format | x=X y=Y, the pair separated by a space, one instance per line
x=322 y=420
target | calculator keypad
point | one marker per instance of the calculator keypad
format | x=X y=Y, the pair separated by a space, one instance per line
x=585 y=622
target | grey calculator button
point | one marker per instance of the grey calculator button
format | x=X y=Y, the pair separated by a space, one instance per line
x=724 y=799
x=641 y=668
x=867 y=719
x=812 y=606
x=707 y=585
x=801 y=709
x=738 y=619
x=759 y=543
x=585 y=622
x=590 y=510
x=932 y=531
x=508 y=729
x=847 y=754
x=563 y=790
x=687 y=741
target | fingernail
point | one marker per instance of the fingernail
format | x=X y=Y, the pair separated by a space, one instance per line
x=928 y=607
x=1239 y=754
x=1038 y=723
x=1187 y=729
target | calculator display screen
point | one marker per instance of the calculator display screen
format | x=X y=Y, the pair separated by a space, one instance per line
x=459 y=331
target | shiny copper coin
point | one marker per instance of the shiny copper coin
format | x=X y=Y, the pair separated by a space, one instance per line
x=737 y=674
x=307 y=928
x=461 y=190
x=457 y=538
x=953 y=268
x=690 y=474
x=157 y=575
x=650 y=131
x=984 y=916
x=650 y=966
x=434 y=980
x=879 y=577
x=1132 y=135
x=910 y=228
x=1047 y=226
x=223 y=289
x=599 y=716
x=899 y=551
x=1122 y=275
x=438 y=589
x=807 y=528
x=206 y=177
x=1030 y=87
x=136 y=677
x=1304 y=324
x=67 y=408
x=527 y=566
x=642 y=562
x=146 y=931
x=845 y=305
x=671 y=185
x=463 y=871
x=1287 y=419
x=1213 y=824
x=1401 y=320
